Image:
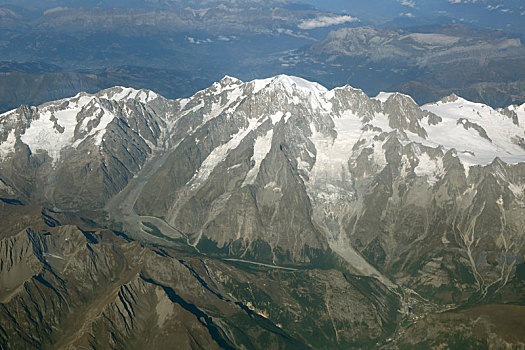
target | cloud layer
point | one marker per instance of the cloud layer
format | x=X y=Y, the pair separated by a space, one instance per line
x=325 y=22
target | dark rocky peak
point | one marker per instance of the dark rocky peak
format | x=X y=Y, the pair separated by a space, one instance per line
x=355 y=100
x=450 y=98
x=468 y=124
x=229 y=81
x=514 y=112
x=404 y=114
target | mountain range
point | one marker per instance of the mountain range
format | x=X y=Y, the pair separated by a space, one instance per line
x=274 y=213
x=496 y=14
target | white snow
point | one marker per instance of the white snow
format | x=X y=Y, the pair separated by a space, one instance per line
x=125 y=93
x=261 y=148
x=520 y=111
x=276 y=118
x=54 y=127
x=220 y=153
x=119 y=93
x=332 y=154
x=43 y=136
x=290 y=84
x=100 y=130
x=299 y=83
x=471 y=147
x=8 y=146
x=183 y=102
x=431 y=168
x=193 y=109
x=233 y=97
x=146 y=96
x=298 y=90
x=331 y=163
x=381 y=121
x=383 y=96
x=260 y=84
x=328 y=181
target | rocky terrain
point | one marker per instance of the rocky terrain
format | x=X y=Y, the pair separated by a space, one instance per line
x=70 y=284
x=273 y=213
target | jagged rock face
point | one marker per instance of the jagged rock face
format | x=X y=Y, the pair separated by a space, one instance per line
x=283 y=171
x=68 y=284
x=292 y=165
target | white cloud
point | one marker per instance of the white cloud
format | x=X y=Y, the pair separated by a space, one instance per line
x=56 y=9
x=409 y=3
x=491 y=8
x=462 y=1
x=408 y=14
x=192 y=40
x=325 y=22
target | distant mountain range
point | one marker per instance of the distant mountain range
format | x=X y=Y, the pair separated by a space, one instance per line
x=425 y=62
x=178 y=48
x=507 y=15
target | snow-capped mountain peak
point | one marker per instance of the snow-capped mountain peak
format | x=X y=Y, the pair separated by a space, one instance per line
x=476 y=131
x=120 y=93
x=54 y=126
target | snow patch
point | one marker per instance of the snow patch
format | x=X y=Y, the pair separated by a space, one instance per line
x=54 y=129
x=276 y=118
x=219 y=154
x=8 y=146
x=431 y=168
x=383 y=96
x=473 y=149
x=232 y=97
x=261 y=148
x=120 y=93
x=44 y=135
x=333 y=154
x=260 y=84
